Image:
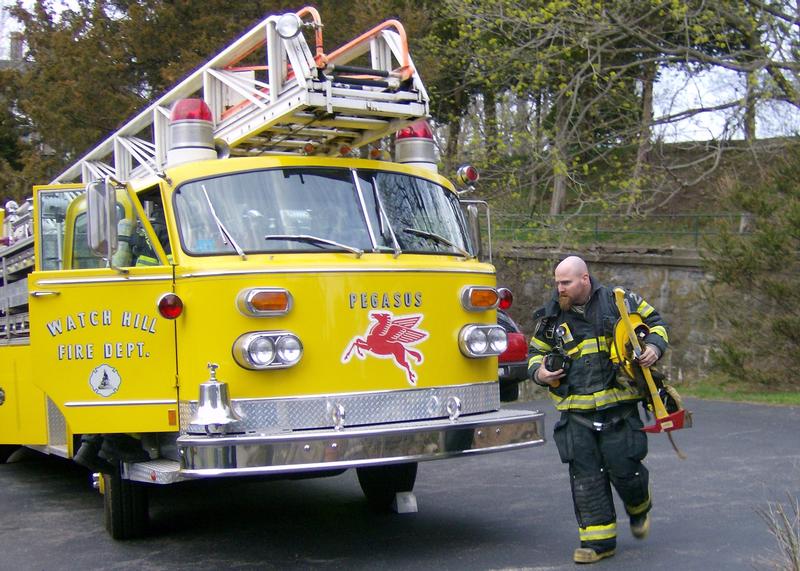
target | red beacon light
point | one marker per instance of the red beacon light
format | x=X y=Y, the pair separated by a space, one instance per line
x=467 y=175
x=170 y=306
x=190 y=109
x=417 y=130
x=414 y=146
x=191 y=132
x=506 y=298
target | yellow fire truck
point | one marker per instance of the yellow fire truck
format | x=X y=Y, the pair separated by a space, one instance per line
x=222 y=289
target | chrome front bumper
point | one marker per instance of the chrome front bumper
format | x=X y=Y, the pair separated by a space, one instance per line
x=322 y=449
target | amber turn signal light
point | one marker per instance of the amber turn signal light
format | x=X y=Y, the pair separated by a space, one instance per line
x=479 y=298
x=260 y=302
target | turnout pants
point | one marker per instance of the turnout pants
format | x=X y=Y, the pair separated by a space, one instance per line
x=604 y=448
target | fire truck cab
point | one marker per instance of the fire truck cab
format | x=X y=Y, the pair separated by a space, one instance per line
x=242 y=296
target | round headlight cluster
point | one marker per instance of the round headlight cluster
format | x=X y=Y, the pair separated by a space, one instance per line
x=482 y=340
x=267 y=350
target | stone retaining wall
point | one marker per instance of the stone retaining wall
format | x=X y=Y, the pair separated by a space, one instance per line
x=669 y=279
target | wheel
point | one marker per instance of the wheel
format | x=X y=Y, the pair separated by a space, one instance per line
x=6 y=450
x=125 y=507
x=509 y=392
x=381 y=483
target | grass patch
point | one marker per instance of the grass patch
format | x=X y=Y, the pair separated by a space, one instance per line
x=713 y=391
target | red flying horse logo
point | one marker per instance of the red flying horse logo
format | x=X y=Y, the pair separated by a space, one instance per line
x=389 y=337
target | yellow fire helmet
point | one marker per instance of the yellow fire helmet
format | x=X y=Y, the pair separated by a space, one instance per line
x=621 y=351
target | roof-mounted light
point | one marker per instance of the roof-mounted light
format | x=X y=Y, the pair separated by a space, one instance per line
x=414 y=146
x=190 y=109
x=288 y=26
x=417 y=130
x=191 y=132
x=467 y=175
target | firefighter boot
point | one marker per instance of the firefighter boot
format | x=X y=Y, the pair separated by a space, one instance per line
x=88 y=454
x=640 y=525
x=589 y=555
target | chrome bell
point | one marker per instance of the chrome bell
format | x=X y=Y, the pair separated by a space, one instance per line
x=214 y=411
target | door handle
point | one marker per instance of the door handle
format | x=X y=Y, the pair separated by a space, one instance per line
x=44 y=293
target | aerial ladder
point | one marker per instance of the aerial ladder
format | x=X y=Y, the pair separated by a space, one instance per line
x=270 y=94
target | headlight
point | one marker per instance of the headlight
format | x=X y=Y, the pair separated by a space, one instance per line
x=267 y=350
x=498 y=339
x=482 y=340
x=261 y=351
x=289 y=349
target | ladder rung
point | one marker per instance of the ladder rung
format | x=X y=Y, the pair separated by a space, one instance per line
x=312 y=132
x=347 y=121
x=336 y=69
x=339 y=80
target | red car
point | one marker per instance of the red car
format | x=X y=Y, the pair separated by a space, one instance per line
x=513 y=362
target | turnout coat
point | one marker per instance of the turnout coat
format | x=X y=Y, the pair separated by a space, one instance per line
x=586 y=337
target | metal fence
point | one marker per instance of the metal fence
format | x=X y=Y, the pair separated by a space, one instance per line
x=676 y=230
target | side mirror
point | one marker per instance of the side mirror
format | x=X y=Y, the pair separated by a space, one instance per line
x=473 y=208
x=474 y=224
x=101 y=224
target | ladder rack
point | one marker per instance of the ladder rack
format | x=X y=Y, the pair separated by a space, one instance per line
x=294 y=103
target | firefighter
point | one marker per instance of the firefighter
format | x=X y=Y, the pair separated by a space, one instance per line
x=599 y=433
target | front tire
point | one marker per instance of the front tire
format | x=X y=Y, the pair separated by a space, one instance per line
x=380 y=484
x=6 y=450
x=126 y=509
x=509 y=392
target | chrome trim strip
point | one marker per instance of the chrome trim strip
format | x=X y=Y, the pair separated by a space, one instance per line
x=313 y=270
x=119 y=403
x=105 y=280
x=362 y=408
x=360 y=192
x=303 y=451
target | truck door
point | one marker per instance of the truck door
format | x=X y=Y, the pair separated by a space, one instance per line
x=102 y=354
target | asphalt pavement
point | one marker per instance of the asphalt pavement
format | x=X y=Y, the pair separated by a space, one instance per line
x=497 y=511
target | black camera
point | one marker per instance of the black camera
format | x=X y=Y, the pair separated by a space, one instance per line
x=555 y=361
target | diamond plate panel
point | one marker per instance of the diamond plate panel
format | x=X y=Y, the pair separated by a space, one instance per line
x=56 y=425
x=323 y=411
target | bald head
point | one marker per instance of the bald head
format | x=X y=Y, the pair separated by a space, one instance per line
x=572 y=281
x=572 y=265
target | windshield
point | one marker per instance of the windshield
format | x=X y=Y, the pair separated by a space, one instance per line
x=319 y=209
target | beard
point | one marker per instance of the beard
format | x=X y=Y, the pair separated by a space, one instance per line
x=564 y=302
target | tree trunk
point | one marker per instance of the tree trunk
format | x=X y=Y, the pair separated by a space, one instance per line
x=536 y=151
x=750 y=108
x=490 y=123
x=645 y=134
x=559 y=167
x=451 y=149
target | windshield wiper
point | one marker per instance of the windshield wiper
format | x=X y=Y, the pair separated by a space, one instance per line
x=315 y=240
x=222 y=230
x=437 y=238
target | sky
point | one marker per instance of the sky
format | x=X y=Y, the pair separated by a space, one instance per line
x=676 y=92
x=673 y=93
